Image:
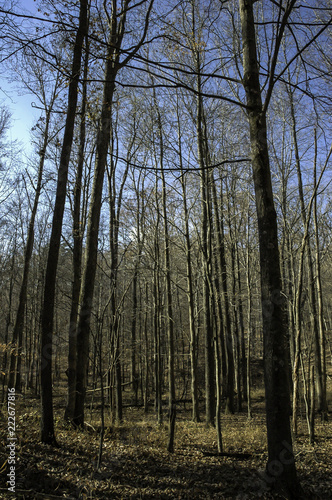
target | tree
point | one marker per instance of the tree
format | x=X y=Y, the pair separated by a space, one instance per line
x=47 y=422
x=40 y=91
x=77 y=247
x=167 y=267
x=190 y=281
x=116 y=26
x=280 y=468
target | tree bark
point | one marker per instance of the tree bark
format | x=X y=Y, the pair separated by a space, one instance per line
x=311 y=281
x=77 y=252
x=320 y=339
x=117 y=23
x=15 y=361
x=47 y=422
x=89 y=273
x=169 y=305
x=190 y=289
x=280 y=470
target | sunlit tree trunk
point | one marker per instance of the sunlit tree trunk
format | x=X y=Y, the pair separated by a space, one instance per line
x=320 y=341
x=309 y=260
x=157 y=312
x=190 y=290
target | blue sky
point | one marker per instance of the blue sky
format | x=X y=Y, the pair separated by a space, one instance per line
x=23 y=114
x=19 y=104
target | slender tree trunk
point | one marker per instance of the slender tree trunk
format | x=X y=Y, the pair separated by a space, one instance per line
x=320 y=339
x=77 y=252
x=281 y=470
x=102 y=403
x=118 y=372
x=206 y=222
x=15 y=361
x=242 y=368
x=219 y=288
x=311 y=281
x=12 y=346
x=190 y=291
x=117 y=23
x=169 y=302
x=146 y=358
x=298 y=332
x=47 y=423
x=170 y=324
x=89 y=273
x=157 y=311
x=228 y=337
x=217 y=342
x=236 y=336
x=312 y=406
x=249 y=319
x=134 y=373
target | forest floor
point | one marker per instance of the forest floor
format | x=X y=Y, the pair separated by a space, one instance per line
x=136 y=465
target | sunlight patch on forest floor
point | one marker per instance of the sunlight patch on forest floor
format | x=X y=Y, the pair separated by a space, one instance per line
x=136 y=464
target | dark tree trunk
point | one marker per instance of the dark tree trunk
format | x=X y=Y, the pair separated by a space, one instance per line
x=169 y=313
x=47 y=422
x=280 y=470
x=117 y=23
x=89 y=273
x=77 y=252
x=206 y=225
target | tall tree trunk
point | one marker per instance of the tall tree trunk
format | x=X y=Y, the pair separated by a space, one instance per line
x=190 y=290
x=242 y=368
x=47 y=422
x=134 y=373
x=168 y=285
x=157 y=311
x=77 y=251
x=311 y=281
x=12 y=346
x=170 y=321
x=15 y=361
x=89 y=273
x=281 y=470
x=206 y=228
x=117 y=23
x=228 y=337
x=206 y=224
x=320 y=340
x=249 y=320
x=220 y=299
x=235 y=302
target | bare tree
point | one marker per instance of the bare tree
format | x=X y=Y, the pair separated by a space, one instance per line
x=47 y=423
x=40 y=90
x=113 y=63
x=274 y=320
